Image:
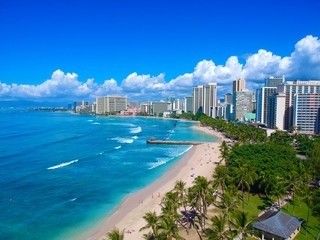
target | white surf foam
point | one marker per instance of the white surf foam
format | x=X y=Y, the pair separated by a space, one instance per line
x=135 y=137
x=135 y=130
x=62 y=165
x=118 y=147
x=96 y=123
x=73 y=199
x=122 y=124
x=90 y=120
x=184 y=151
x=159 y=162
x=123 y=140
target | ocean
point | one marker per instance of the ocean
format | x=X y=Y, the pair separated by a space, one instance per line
x=62 y=173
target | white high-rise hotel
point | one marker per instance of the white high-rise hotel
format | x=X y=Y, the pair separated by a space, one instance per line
x=306 y=113
x=263 y=95
x=242 y=99
x=111 y=104
x=205 y=99
x=292 y=88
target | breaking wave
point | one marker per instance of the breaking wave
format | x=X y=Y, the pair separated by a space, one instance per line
x=159 y=162
x=135 y=130
x=123 y=140
x=62 y=165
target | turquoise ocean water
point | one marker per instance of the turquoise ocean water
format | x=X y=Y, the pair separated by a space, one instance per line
x=61 y=173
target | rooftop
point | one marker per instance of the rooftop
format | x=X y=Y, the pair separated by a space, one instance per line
x=280 y=224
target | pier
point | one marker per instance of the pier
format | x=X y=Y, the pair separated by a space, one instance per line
x=151 y=141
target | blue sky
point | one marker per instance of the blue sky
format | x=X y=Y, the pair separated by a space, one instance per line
x=63 y=50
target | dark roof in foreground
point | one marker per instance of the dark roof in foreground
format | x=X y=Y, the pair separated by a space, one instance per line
x=281 y=224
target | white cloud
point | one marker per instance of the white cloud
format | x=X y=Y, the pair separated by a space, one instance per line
x=303 y=63
x=135 y=82
x=305 y=60
x=261 y=64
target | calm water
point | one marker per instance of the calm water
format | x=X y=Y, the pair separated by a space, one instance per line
x=61 y=173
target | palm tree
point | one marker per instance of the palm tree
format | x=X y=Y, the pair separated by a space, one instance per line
x=307 y=198
x=180 y=189
x=115 y=234
x=169 y=207
x=296 y=181
x=191 y=218
x=203 y=194
x=266 y=182
x=152 y=222
x=228 y=204
x=279 y=190
x=220 y=177
x=224 y=152
x=245 y=176
x=241 y=223
x=169 y=229
x=170 y=203
x=217 y=230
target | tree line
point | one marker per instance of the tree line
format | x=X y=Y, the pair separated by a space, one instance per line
x=276 y=166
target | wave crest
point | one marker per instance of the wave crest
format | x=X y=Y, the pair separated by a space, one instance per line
x=159 y=162
x=135 y=130
x=62 y=165
x=123 y=140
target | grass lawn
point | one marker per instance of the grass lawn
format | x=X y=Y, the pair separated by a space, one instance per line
x=301 y=211
x=255 y=205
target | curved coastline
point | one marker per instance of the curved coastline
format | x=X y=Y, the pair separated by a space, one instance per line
x=129 y=213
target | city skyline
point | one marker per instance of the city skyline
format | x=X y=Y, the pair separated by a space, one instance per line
x=150 y=51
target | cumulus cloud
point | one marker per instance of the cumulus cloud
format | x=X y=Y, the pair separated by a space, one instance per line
x=303 y=63
x=135 y=81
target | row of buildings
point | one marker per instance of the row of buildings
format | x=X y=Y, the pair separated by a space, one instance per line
x=279 y=104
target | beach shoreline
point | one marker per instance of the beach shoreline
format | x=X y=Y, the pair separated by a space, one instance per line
x=128 y=216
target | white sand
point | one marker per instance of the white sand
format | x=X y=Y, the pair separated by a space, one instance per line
x=200 y=160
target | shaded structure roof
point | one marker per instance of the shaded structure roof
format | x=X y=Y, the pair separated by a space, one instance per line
x=267 y=214
x=280 y=224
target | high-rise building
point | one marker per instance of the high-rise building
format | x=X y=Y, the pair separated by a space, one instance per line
x=188 y=104
x=111 y=104
x=276 y=111
x=160 y=107
x=205 y=99
x=306 y=113
x=178 y=105
x=290 y=89
x=262 y=103
x=197 y=99
x=134 y=104
x=146 y=108
x=242 y=104
x=239 y=85
x=229 y=112
x=228 y=98
x=100 y=105
x=274 y=81
x=209 y=99
x=220 y=112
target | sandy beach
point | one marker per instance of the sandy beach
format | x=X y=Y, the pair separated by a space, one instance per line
x=200 y=160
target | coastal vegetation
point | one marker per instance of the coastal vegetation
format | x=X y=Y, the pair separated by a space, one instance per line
x=254 y=172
